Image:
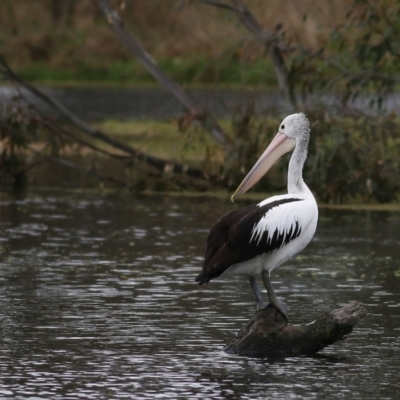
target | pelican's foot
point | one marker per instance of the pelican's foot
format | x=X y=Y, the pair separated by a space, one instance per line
x=261 y=305
x=280 y=306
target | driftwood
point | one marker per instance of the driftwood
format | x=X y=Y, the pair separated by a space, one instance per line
x=268 y=333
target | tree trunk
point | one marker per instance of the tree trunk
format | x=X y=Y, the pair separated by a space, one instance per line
x=268 y=333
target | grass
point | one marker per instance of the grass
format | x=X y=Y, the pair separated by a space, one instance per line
x=163 y=139
x=186 y=71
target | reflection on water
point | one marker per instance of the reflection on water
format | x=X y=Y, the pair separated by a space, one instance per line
x=97 y=103
x=98 y=300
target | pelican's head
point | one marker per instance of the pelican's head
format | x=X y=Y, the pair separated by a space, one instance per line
x=291 y=130
x=295 y=126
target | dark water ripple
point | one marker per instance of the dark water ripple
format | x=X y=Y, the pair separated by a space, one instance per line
x=97 y=300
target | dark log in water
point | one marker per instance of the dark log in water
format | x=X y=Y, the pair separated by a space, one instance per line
x=269 y=333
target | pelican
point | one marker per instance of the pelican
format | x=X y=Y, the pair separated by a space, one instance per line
x=256 y=239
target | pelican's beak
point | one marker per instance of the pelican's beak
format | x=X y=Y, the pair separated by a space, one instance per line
x=280 y=145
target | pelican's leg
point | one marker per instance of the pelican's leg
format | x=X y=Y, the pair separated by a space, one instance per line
x=271 y=294
x=261 y=303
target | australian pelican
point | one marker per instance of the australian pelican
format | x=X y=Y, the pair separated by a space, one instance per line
x=259 y=238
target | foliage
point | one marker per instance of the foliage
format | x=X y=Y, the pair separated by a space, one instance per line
x=354 y=158
x=18 y=128
x=354 y=153
x=359 y=59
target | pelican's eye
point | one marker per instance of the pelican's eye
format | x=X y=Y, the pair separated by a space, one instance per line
x=282 y=126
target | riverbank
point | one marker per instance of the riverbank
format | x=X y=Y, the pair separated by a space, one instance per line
x=223 y=196
x=343 y=167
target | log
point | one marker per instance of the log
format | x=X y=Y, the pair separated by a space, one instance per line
x=268 y=333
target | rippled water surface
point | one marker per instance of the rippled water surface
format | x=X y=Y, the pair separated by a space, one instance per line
x=98 y=300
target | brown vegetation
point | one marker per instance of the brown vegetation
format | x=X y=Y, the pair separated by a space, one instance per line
x=68 y=32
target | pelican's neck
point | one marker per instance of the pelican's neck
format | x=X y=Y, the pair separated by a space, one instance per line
x=295 y=173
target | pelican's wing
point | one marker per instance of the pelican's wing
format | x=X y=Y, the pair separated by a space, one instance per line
x=248 y=232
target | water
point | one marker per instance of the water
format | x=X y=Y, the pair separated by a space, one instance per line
x=98 y=300
x=93 y=103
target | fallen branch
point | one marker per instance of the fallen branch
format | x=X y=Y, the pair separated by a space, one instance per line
x=194 y=111
x=268 y=332
x=88 y=171
x=60 y=131
x=151 y=160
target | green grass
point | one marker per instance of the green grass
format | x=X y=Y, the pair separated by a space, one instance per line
x=183 y=70
x=163 y=139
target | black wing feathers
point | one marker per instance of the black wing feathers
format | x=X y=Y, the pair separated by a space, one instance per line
x=229 y=240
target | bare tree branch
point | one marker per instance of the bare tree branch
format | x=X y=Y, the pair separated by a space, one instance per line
x=220 y=4
x=61 y=131
x=153 y=161
x=269 y=40
x=195 y=112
